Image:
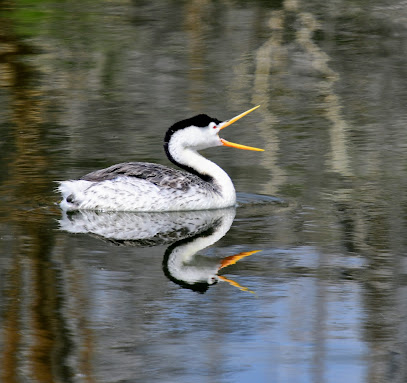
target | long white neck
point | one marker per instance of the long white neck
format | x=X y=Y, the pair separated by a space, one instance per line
x=188 y=159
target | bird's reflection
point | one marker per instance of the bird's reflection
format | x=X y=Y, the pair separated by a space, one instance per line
x=185 y=233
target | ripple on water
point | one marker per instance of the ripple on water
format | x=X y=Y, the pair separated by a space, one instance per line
x=248 y=199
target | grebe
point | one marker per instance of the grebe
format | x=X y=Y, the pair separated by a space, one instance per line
x=141 y=186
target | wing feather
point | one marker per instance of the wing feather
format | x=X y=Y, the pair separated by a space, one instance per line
x=157 y=174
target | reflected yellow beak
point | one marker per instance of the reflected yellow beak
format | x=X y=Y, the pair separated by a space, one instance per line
x=230 y=122
x=234 y=283
x=232 y=259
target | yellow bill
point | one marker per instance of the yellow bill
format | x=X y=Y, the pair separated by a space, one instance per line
x=238 y=146
x=238 y=117
x=232 y=259
x=234 y=283
x=230 y=122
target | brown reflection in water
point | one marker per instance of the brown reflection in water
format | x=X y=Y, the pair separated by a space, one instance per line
x=331 y=102
x=270 y=58
x=195 y=13
x=12 y=334
x=269 y=61
x=43 y=305
x=34 y=326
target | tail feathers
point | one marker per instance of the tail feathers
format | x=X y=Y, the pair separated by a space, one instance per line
x=72 y=193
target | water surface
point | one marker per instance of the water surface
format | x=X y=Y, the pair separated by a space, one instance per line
x=306 y=284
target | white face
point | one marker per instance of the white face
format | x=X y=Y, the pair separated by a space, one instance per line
x=212 y=279
x=199 y=138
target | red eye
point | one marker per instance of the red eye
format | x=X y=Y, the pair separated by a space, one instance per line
x=214 y=126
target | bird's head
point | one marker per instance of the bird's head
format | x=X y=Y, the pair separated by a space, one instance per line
x=201 y=132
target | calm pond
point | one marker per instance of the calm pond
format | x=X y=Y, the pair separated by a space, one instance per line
x=304 y=281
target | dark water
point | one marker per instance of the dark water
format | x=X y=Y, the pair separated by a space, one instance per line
x=309 y=286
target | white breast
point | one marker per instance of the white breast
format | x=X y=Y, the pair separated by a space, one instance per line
x=133 y=194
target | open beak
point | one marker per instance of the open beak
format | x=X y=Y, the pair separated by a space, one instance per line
x=231 y=260
x=230 y=122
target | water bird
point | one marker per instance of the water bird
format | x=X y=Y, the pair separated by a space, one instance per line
x=149 y=187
